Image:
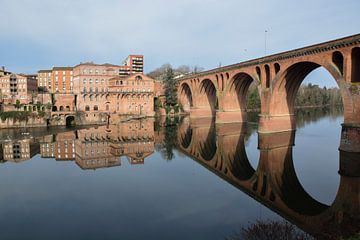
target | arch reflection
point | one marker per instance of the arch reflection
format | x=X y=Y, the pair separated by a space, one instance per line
x=275 y=184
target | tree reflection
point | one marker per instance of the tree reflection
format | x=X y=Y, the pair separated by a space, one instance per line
x=170 y=138
x=270 y=230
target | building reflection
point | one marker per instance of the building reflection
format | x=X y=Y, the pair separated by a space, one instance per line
x=19 y=150
x=274 y=183
x=89 y=148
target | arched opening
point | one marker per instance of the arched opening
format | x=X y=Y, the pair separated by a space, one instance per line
x=186 y=100
x=308 y=93
x=67 y=108
x=61 y=108
x=54 y=109
x=338 y=60
x=290 y=85
x=258 y=72
x=238 y=161
x=293 y=193
x=186 y=138
x=209 y=99
x=70 y=121
x=208 y=148
x=355 y=65
x=242 y=88
x=277 y=67
x=96 y=108
x=267 y=75
x=87 y=108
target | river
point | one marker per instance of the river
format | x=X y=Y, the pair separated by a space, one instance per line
x=173 y=179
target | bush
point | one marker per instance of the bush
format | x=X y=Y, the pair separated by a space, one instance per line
x=15 y=115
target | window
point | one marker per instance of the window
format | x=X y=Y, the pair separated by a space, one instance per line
x=87 y=108
x=84 y=81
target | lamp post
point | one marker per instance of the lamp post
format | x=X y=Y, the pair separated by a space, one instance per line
x=265 y=40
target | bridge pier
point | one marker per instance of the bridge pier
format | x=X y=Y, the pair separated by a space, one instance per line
x=276 y=123
x=235 y=116
x=350 y=151
x=197 y=112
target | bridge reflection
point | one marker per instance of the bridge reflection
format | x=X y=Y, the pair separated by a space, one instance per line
x=274 y=182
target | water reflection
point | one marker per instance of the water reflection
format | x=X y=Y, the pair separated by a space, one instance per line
x=219 y=148
x=274 y=183
x=90 y=148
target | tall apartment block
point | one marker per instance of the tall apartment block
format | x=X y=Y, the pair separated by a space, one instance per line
x=131 y=65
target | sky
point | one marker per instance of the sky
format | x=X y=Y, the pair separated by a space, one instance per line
x=40 y=34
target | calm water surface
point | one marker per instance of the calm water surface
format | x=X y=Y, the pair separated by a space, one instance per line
x=164 y=180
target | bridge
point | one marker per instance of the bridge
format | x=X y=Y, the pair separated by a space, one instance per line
x=221 y=92
x=274 y=182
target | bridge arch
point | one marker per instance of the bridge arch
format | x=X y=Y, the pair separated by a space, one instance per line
x=186 y=97
x=208 y=98
x=237 y=90
x=287 y=85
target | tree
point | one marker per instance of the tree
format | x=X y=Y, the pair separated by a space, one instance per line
x=170 y=87
x=17 y=104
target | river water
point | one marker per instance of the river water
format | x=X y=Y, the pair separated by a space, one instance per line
x=171 y=179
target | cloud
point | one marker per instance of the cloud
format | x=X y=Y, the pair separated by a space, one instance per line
x=42 y=33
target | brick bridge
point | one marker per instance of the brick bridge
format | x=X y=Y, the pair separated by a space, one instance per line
x=222 y=92
x=274 y=182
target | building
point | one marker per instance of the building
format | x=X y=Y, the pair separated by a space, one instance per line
x=131 y=65
x=3 y=72
x=91 y=90
x=44 y=80
x=62 y=80
x=31 y=80
x=21 y=150
x=132 y=95
x=17 y=87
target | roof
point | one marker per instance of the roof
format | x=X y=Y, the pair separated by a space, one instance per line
x=43 y=71
x=143 y=76
x=63 y=68
x=95 y=64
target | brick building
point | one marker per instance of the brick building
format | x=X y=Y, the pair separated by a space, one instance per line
x=62 y=80
x=45 y=80
x=132 y=95
x=17 y=87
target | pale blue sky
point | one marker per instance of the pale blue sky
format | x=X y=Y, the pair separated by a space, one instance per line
x=38 y=34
